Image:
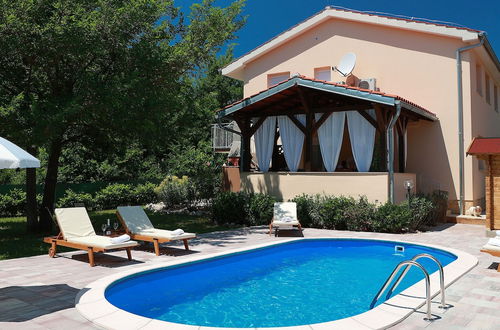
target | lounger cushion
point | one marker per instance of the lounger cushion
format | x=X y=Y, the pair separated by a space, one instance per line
x=165 y=234
x=135 y=218
x=285 y=223
x=285 y=210
x=74 y=222
x=102 y=242
x=490 y=247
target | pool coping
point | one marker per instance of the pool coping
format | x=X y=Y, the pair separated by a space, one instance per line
x=92 y=304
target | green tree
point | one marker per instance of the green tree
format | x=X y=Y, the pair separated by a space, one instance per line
x=97 y=71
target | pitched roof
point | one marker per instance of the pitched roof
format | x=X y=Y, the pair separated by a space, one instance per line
x=466 y=34
x=341 y=89
x=484 y=146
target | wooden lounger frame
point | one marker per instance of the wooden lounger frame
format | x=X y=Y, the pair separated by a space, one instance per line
x=150 y=238
x=59 y=240
x=299 y=227
x=493 y=253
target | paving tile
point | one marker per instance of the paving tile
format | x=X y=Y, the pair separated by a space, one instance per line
x=39 y=297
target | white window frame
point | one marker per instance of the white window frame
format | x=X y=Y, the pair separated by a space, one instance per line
x=276 y=78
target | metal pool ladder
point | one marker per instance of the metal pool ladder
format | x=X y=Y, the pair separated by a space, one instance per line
x=407 y=264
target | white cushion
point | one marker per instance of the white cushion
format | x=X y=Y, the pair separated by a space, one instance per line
x=285 y=210
x=103 y=242
x=166 y=234
x=491 y=248
x=135 y=218
x=74 y=222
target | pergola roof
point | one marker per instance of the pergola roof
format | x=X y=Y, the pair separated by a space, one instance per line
x=285 y=89
x=484 y=146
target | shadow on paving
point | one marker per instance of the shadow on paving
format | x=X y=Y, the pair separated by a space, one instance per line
x=102 y=259
x=225 y=238
x=23 y=303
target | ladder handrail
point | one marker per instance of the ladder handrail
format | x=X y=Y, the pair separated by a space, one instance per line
x=408 y=263
x=441 y=276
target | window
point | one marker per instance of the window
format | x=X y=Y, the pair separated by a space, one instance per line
x=324 y=73
x=495 y=97
x=479 y=80
x=487 y=87
x=276 y=78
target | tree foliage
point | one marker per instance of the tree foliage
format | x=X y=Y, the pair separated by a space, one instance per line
x=99 y=73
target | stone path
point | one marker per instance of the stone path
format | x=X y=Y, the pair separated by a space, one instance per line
x=39 y=292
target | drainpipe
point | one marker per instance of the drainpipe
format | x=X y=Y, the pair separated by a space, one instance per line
x=242 y=147
x=461 y=120
x=390 y=154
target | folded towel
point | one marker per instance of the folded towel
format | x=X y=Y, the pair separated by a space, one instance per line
x=120 y=239
x=494 y=241
x=498 y=233
x=286 y=219
x=177 y=232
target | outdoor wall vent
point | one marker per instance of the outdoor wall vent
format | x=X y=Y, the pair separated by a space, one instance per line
x=370 y=83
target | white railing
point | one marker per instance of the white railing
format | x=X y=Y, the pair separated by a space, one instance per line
x=222 y=139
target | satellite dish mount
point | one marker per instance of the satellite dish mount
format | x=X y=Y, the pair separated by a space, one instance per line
x=346 y=64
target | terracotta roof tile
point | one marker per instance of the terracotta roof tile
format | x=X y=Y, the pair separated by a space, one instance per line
x=484 y=146
x=338 y=85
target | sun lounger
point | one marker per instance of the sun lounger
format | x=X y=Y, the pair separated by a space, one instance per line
x=137 y=224
x=493 y=249
x=285 y=217
x=76 y=232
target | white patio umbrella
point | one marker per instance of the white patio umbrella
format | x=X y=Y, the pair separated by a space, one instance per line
x=11 y=156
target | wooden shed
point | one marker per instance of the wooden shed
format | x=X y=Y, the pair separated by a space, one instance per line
x=488 y=150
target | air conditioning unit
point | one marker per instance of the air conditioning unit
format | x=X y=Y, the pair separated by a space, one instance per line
x=370 y=83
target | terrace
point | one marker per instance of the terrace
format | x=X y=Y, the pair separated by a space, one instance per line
x=315 y=136
x=40 y=292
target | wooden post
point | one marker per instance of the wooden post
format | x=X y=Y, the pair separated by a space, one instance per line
x=309 y=130
x=308 y=142
x=382 y=123
x=129 y=253
x=156 y=246
x=244 y=125
x=490 y=196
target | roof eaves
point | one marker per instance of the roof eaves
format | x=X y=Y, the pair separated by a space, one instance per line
x=355 y=92
x=466 y=34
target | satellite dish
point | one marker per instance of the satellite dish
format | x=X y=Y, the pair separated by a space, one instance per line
x=346 y=64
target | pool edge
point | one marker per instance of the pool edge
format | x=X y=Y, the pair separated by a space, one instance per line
x=92 y=304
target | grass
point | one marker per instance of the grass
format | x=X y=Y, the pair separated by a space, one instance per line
x=16 y=243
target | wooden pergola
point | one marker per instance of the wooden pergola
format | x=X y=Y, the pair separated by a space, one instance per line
x=301 y=95
x=488 y=150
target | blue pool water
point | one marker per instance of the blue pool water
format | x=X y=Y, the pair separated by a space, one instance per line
x=301 y=282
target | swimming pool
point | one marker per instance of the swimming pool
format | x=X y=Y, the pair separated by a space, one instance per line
x=305 y=281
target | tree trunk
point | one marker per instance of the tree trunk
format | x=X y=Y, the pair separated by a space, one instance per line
x=31 y=205
x=49 y=189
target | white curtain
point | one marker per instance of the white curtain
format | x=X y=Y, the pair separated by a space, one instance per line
x=264 y=142
x=362 y=135
x=330 y=135
x=292 y=140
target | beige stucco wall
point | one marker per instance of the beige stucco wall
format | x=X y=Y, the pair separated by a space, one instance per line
x=287 y=185
x=484 y=121
x=416 y=66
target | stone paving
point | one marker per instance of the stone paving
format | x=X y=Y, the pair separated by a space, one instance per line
x=39 y=292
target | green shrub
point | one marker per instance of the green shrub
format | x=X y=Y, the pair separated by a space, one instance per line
x=145 y=194
x=70 y=198
x=114 y=195
x=439 y=199
x=201 y=165
x=328 y=212
x=421 y=210
x=360 y=215
x=305 y=204
x=13 y=203
x=392 y=218
x=260 y=209
x=229 y=207
x=176 y=192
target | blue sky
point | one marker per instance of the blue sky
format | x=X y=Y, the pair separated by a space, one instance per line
x=267 y=18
